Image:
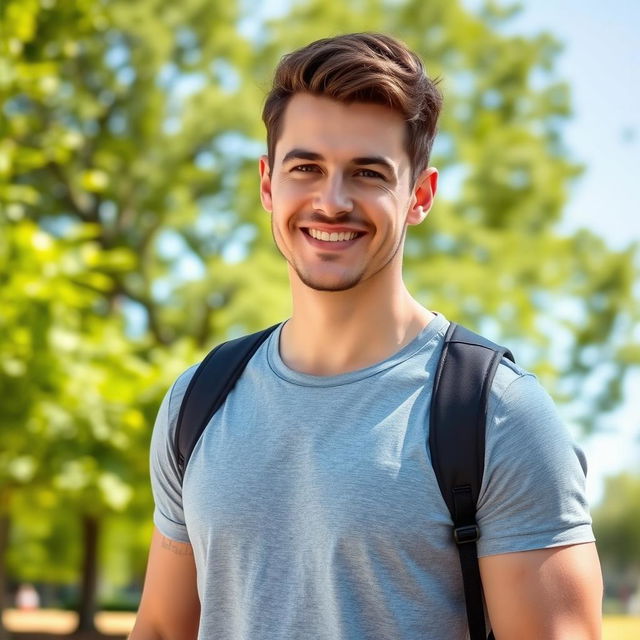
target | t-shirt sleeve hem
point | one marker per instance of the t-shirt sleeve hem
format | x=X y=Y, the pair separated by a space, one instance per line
x=169 y=528
x=528 y=542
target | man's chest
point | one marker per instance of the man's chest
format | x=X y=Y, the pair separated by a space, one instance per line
x=356 y=475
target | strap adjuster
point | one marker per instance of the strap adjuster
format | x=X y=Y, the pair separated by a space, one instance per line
x=468 y=533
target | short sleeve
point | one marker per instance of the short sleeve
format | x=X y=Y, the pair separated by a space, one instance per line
x=166 y=486
x=533 y=489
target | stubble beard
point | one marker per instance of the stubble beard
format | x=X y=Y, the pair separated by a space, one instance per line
x=346 y=284
x=343 y=285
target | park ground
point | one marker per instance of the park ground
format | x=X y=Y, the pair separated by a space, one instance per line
x=52 y=624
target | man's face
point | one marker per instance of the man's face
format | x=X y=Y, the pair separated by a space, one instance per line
x=339 y=191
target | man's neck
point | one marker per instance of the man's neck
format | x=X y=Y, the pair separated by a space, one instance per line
x=331 y=333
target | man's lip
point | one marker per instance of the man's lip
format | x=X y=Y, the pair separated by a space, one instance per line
x=331 y=228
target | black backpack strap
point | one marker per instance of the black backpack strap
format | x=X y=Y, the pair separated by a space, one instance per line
x=209 y=387
x=467 y=365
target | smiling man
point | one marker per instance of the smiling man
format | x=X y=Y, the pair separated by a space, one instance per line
x=309 y=507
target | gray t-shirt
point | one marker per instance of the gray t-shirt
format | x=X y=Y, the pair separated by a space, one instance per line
x=314 y=512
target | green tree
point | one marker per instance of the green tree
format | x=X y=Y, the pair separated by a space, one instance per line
x=37 y=306
x=28 y=369
x=76 y=402
x=89 y=146
x=617 y=522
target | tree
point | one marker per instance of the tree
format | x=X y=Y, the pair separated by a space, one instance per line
x=90 y=87
x=617 y=521
x=617 y=529
x=29 y=366
x=38 y=308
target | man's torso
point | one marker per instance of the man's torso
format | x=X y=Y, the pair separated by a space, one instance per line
x=313 y=509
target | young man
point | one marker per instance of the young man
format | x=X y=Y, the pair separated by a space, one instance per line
x=309 y=507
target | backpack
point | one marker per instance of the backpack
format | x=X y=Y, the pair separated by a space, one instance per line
x=464 y=374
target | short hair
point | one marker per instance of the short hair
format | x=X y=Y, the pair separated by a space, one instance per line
x=360 y=67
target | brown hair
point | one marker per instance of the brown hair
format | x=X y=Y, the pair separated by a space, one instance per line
x=360 y=67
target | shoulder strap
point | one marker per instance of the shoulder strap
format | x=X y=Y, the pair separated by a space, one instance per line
x=209 y=387
x=467 y=365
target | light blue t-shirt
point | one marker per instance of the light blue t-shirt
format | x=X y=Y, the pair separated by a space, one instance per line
x=314 y=512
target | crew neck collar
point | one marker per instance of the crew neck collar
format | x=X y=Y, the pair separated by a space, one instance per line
x=432 y=332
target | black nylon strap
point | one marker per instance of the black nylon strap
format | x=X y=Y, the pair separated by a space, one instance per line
x=209 y=387
x=459 y=410
x=456 y=442
x=468 y=552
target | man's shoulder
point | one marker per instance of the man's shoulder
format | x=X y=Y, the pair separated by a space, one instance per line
x=506 y=374
x=519 y=399
x=177 y=391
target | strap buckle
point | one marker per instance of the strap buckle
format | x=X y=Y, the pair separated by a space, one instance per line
x=466 y=534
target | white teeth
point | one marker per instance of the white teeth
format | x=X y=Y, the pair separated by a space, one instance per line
x=332 y=237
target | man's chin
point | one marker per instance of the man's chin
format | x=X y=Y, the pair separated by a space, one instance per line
x=329 y=284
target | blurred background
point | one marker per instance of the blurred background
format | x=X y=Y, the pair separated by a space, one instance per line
x=132 y=240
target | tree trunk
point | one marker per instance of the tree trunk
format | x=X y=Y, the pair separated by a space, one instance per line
x=88 y=596
x=4 y=543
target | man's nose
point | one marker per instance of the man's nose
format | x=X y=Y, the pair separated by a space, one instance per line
x=332 y=196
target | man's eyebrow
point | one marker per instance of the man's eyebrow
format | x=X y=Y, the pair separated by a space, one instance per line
x=377 y=160
x=304 y=154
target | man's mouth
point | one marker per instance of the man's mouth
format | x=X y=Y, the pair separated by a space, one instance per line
x=333 y=236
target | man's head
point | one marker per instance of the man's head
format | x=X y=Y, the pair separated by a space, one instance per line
x=365 y=68
x=350 y=125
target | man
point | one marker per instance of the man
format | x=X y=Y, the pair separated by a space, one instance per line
x=309 y=507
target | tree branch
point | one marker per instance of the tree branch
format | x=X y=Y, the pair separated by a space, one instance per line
x=72 y=198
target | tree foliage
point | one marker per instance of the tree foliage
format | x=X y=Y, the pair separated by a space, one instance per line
x=617 y=523
x=133 y=238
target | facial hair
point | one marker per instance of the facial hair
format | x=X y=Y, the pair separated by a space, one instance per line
x=344 y=285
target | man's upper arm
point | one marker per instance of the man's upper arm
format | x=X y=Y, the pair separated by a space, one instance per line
x=170 y=608
x=553 y=593
x=539 y=567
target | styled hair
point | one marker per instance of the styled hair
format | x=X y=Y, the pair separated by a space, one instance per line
x=360 y=67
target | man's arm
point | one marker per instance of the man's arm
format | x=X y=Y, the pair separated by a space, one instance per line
x=555 y=594
x=170 y=608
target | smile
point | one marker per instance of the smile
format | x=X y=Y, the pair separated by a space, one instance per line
x=332 y=237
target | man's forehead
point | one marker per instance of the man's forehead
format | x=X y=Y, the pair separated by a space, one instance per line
x=336 y=130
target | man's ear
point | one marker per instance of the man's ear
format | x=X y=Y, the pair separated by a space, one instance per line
x=424 y=192
x=265 y=183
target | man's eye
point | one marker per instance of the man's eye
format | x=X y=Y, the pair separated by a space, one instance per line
x=305 y=168
x=368 y=173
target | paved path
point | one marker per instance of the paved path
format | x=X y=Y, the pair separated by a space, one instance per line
x=54 y=621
